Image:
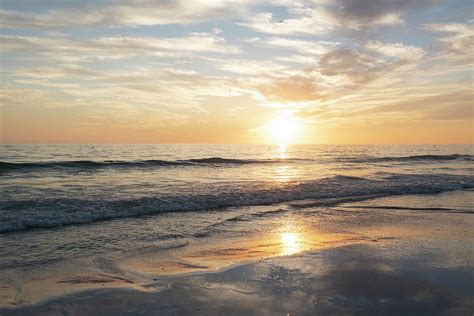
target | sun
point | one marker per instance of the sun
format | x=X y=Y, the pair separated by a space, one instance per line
x=283 y=131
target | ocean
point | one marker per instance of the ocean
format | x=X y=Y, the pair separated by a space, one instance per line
x=60 y=202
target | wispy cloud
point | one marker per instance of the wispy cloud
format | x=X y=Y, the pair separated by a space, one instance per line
x=397 y=50
x=120 y=46
x=306 y=22
x=314 y=48
x=457 y=38
x=124 y=13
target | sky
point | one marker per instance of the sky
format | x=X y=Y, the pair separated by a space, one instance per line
x=206 y=71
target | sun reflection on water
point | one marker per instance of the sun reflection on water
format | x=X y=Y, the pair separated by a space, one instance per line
x=282 y=149
x=284 y=173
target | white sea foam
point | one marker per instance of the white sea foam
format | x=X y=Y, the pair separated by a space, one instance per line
x=24 y=214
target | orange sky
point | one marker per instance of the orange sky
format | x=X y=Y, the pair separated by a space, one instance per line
x=237 y=72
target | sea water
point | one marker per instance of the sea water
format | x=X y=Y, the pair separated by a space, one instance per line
x=60 y=202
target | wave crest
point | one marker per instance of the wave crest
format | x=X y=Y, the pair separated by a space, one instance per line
x=90 y=164
x=415 y=158
x=17 y=215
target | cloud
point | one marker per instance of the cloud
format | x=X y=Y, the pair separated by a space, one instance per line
x=359 y=14
x=351 y=66
x=314 y=48
x=452 y=106
x=322 y=17
x=55 y=72
x=306 y=18
x=125 y=13
x=397 y=50
x=291 y=89
x=297 y=59
x=118 y=46
x=365 y=14
x=311 y=22
x=457 y=38
x=323 y=54
x=336 y=73
x=21 y=96
x=15 y=19
x=199 y=42
x=252 y=67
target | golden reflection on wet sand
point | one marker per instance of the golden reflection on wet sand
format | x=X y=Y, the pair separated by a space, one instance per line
x=290 y=243
x=288 y=239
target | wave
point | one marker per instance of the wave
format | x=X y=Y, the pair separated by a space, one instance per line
x=24 y=214
x=415 y=158
x=209 y=161
x=89 y=164
x=219 y=160
x=404 y=208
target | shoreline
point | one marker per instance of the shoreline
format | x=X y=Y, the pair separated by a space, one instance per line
x=437 y=241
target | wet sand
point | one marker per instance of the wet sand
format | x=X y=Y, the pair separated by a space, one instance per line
x=399 y=255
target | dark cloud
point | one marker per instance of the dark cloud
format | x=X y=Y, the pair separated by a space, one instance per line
x=364 y=13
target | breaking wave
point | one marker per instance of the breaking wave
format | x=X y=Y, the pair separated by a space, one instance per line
x=89 y=164
x=416 y=158
x=24 y=214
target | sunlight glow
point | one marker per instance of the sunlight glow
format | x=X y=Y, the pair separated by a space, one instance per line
x=290 y=243
x=283 y=131
x=281 y=151
x=282 y=148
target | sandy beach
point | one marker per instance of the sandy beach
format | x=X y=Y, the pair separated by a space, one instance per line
x=407 y=255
